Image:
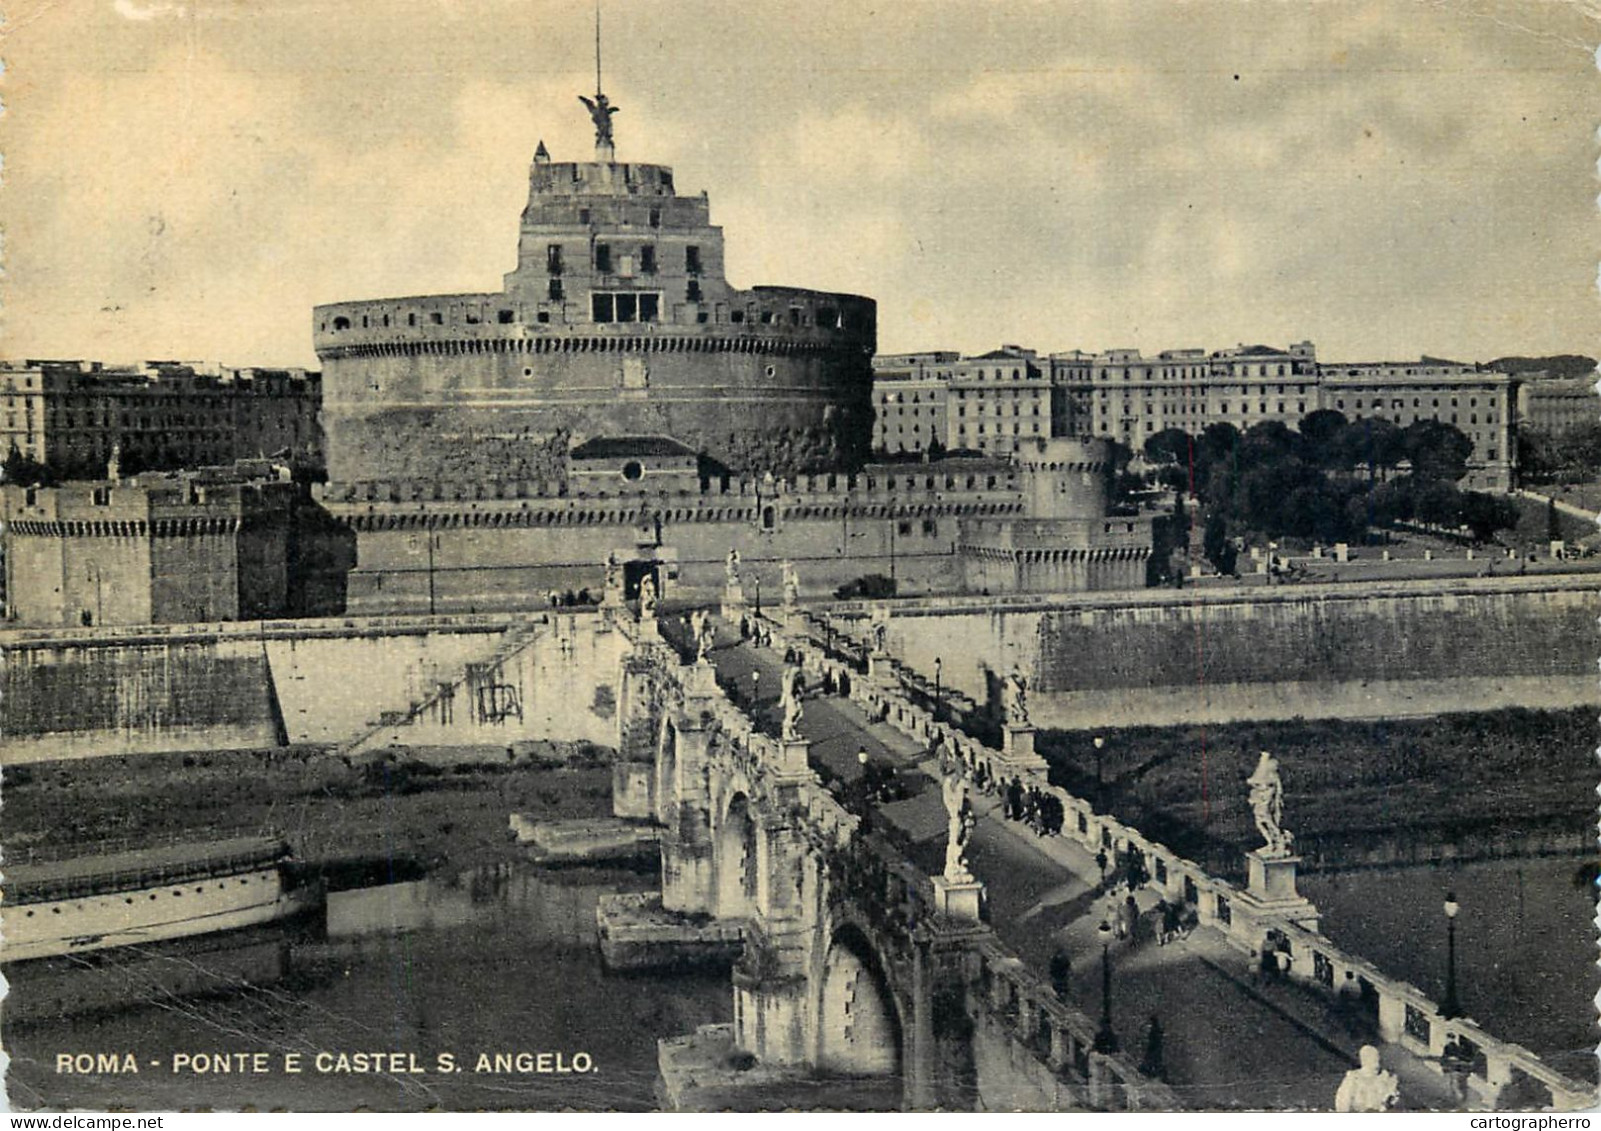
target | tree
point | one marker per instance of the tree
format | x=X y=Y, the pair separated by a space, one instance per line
x=1169 y=447
x=1538 y=459
x=1485 y=514
x=1437 y=450
x=1374 y=442
x=24 y=471
x=1579 y=452
x=1322 y=432
x=1438 y=502
x=1217 y=545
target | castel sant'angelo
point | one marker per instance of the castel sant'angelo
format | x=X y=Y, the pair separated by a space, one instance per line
x=620 y=397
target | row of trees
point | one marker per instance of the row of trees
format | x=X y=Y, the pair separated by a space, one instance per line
x=1331 y=481
x=1570 y=456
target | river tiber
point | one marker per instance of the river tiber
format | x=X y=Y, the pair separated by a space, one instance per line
x=626 y=688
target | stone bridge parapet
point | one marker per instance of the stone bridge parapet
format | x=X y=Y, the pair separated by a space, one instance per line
x=1401 y=1013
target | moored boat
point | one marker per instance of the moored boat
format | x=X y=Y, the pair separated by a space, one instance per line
x=120 y=899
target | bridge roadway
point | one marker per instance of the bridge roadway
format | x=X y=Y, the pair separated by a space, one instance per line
x=1231 y=1040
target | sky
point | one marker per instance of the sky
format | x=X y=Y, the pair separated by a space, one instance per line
x=187 y=178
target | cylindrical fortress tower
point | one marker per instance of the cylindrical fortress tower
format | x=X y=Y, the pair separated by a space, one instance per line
x=617 y=320
x=1065 y=477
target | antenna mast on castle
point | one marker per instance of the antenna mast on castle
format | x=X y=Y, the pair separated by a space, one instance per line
x=600 y=109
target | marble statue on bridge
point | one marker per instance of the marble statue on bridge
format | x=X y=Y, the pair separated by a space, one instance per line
x=793 y=711
x=1014 y=698
x=614 y=572
x=961 y=817
x=880 y=632
x=1368 y=1088
x=705 y=634
x=791 y=585
x=647 y=598
x=731 y=568
x=1267 y=806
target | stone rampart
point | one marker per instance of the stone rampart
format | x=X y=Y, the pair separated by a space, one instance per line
x=84 y=693
x=1356 y=650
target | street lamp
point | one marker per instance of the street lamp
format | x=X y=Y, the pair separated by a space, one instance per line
x=938 y=665
x=758 y=581
x=1105 y=1039
x=1450 y=1007
x=1100 y=743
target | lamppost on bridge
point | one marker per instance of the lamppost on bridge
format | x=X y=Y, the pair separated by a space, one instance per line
x=1100 y=744
x=1105 y=1038
x=1450 y=1007
x=938 y=666
x=757 y=581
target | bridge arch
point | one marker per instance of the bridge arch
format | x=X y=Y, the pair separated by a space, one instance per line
x=738 y=869
x=859 y=1027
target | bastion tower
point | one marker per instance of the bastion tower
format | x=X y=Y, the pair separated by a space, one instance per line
x=617 y=320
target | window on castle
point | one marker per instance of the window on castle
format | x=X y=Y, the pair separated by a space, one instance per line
x=411 y=319
x=655 y=217
x=649 y=307
x=553 y=262
x=601 y=308
x=503 y=317
x=647 y=260
x=555 y=290
x=692 y=291
x=583 y=215
x=692 y=259
x=436 y=317
x=603 y=258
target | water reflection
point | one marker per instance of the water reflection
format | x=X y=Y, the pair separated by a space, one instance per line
x=498 y=959
x=1525 y=943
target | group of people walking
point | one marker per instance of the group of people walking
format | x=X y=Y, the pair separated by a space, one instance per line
x=1039 y=809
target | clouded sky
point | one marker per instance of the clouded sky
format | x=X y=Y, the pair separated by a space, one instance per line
x=186 y=178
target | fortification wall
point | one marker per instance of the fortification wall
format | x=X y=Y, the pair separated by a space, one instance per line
x=212 y=687
x=1314 y=651
x=512 y=566
x=77 y=702
x=487 y=394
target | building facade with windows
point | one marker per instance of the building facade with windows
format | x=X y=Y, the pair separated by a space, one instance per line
x=992 y=404
x=161 y=415
x=910 y=412
x=1124 y=396
x=1476 y=401
x=1555 y=405
x=999 y=402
